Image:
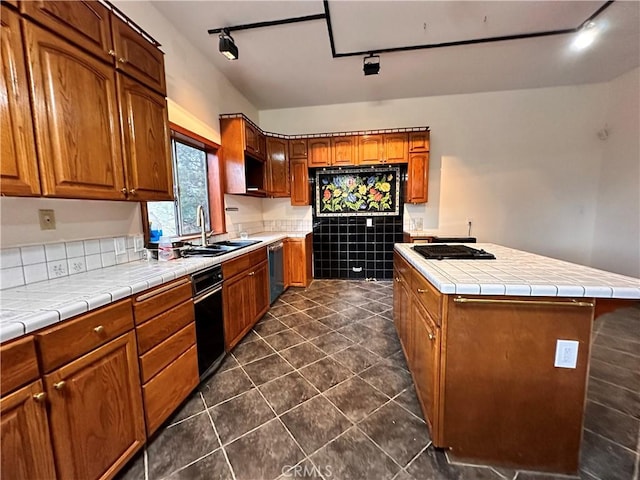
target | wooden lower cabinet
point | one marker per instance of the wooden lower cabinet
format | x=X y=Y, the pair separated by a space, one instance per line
x=96 y=415
x=298 y=261
x=25 y=440
x=425 y=362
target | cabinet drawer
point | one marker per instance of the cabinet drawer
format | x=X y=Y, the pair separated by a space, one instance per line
x=71 y=339
x=242 y=263
x=152 y=302
x=169 y=388
x=162 y=355
x=428 y=296
x=402 y=267
x=18 y=364
x=163 y=326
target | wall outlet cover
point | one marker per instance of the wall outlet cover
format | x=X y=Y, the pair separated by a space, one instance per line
x=120 y=244
x=369 y=222
x=566 y=354
x=138 y=243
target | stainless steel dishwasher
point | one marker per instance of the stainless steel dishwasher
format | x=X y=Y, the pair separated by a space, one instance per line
x=276 y=270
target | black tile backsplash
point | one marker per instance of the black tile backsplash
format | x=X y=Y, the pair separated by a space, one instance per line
x=344 y=247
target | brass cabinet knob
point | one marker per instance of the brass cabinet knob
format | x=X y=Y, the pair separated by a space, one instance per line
x=251 y=274
x=398 y=279
x=99 y=329
x=124 y=191
x=112 y=53
x=132 y=192
x=40 y=397
x=421 y=290
x=431 y=336
x=59 y=385
x=122 y=60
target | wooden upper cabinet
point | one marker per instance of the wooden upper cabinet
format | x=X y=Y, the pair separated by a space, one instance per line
x=319 y=153
x=417 y=186
x=278 y=184
x=370 y=149
x=75 y=118
x=343 y=151
x=300 y=194
x=26 y=451
x=418 y=142
x=251 y=139
x=13 y=3
x=137 y=57
x=298 y=148
x=18 y=161
x=86 y=24
x=96 y=416
x=395 y=148
x=146 y=141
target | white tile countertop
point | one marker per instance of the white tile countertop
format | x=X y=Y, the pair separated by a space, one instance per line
x=30 y=307
x=519 y=273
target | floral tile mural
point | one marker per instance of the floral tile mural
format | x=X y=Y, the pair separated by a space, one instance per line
x=366 y=191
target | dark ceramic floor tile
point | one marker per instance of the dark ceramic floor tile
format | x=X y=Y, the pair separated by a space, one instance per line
x=224 y=385
x=319 y=312
x=357 y=332
x=335 y=321
x=356 y=358
x=386 y=378
x=295 y=319
x=315 y=423
x=229 y=362
x=357 y=314
x=544 y=476
x=211 y=467
x=379 y=324
x=312 y=329
x=620 y=376
x=302 y=303
x=387 y=300
x=605 y=459
x=382 y=345
x=614 y=396
x=264 y=453
x=388 y=315
x=432 y=464
x=246 y=353
x=619 y=325
x=192 y=406
x=269 y=327
x=614 y=357
x=355 y=398
x=611 y=424
x=375 y=307
x=617 y=343
x=402 y=475
x=302 y=354
x=286 y=392
x=282 y=310
x=398 y=360
x=339 y=305
x=285 y=339
x=305 y=470
x=175 y=447
x=409 y=401
x=268 y=368
x=325 y=373
x=331 y=342
x=399 y=433
x=292 y=294
x=134 y=469
x=237 y=416
x=352 y=456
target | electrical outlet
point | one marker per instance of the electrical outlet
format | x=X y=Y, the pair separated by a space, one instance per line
x=566 y=354
x=120 y=244
x=47 y=219
x=369 y=222
x=138 y=243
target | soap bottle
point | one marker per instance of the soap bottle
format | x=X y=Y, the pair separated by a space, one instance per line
x=165 y=249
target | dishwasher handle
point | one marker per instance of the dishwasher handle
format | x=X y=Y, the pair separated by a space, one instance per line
x=278 y=246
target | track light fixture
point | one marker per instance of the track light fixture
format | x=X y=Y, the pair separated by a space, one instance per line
x=371 y=64
x=227 y=46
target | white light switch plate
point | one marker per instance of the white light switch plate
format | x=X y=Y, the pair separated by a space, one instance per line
x=369 y=222
x=566 y=354
x=120 y=244
x=138 y=243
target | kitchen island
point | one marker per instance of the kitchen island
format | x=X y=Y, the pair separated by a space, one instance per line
x=499 y=351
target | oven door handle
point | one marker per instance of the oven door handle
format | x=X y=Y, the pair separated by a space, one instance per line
x=206 y=295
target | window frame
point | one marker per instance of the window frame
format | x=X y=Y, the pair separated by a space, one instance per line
x=215 y=180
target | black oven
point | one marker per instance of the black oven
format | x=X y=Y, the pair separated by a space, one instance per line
x=207 y=298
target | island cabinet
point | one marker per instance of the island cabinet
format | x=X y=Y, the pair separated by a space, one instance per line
x=18 y=161
x=278 y=181
x=483 y=367
x=25 y=447
x=298 y=261
x=245 y=294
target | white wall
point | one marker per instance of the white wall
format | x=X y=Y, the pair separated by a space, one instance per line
x=523 y=165
x=617 y=222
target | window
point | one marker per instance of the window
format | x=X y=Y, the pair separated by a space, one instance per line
x=195 y=165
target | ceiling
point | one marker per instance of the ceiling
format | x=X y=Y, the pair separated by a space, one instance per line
x=292 y=65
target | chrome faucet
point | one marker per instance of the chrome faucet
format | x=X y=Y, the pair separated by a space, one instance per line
x=200 y=222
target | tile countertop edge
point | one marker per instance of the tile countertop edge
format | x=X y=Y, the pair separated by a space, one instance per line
x=28 y=321
x=627 y=288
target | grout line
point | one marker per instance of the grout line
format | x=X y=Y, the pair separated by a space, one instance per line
x=224 y=452
x=614 y=409
x=146 y=463
x=609 y=440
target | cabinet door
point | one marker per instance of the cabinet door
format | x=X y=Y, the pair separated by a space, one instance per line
x=262 y=146
x=298 y=148
x=260 y=291
x=396 y=149
x=18 y=161
x=96 y=411
x=146 y=141
x=236 y=301
x=319 y=153
x=418 y=142
x=402 y=314
x=75 y=116
x=277 y=167
x=85 y=24
x=343 y=151
x=300 y=195
x=25 y=444
x=137 y=57
x=295 y=262
x=370 y=149
x=251 y=139
x=417 y=187
x=425 y=361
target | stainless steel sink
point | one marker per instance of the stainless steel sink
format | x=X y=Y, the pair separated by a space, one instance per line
x=236 y=243
x=218 y=248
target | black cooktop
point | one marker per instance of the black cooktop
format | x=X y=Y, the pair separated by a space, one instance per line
x=452 y=252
